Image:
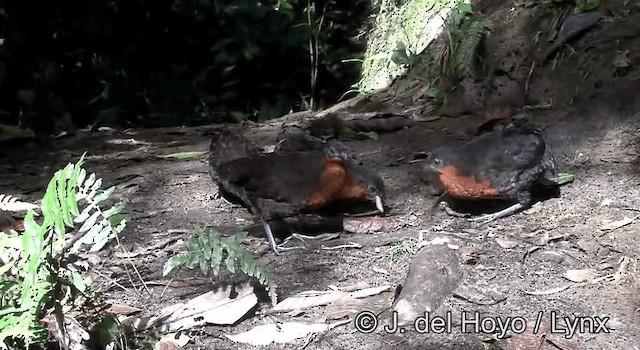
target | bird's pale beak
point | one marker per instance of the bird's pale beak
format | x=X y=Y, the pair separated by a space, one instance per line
x=379 y=204
x=431 y=168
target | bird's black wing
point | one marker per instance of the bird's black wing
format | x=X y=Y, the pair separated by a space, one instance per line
x=272 y=185
x=512 y=160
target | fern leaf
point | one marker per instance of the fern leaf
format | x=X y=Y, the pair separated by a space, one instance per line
x=174 y=262
x=204 y=266
x=104 y=195
x=101 y=239
x=96 y=185
x=84 y=215
x=73 y=183
x=207 y=250
x=81 y=176
x=116 y=209
x=230 y=262
x=472 y=37
x=61 y=191
x=36 y=255
x=90 y=181
x=216 y=258
x=10 y=203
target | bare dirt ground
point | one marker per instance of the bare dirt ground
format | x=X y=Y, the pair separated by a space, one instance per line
x=593 y=125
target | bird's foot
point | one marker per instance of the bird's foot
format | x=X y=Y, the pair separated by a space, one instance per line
x=300 y=237
x=281 y=248
x=487 y=218
x=484 y=219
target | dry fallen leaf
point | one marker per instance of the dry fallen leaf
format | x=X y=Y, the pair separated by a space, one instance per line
x=369 y=225
x=170 y=342
x=527 y=340
x=75 y=337
x=280 y=333
x=617 y=224
x=316 y=298
x=349 y=306
x=469 y=255
x=581 y=275
x=7 y=222
x=166 y=345
x=183 y=155
x=121 y=309
x=215 y=307
x=506 y=242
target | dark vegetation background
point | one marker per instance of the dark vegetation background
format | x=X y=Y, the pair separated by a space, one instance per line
x=172 y=62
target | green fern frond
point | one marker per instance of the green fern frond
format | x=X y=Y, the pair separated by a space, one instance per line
x=464 y=34
x=10 y=203
x=471 y=39
x=206 y=249
x=98 y=225
x=32 y=261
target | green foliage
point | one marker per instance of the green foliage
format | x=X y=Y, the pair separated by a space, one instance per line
x=564 y=178
x=34 y=263
x=406 y=246
x=401 y=31
x=154 y=63
x=586 y=6
x=434 y=93
x=206 y=250
x=464 y=34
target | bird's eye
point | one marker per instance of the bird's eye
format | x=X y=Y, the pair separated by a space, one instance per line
x=437 y=161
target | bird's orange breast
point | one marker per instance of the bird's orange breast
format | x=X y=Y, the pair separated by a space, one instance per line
x=334 y=184
x=466 y=187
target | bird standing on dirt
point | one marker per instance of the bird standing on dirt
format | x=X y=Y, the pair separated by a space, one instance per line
x=498 y=165
x=289 y=182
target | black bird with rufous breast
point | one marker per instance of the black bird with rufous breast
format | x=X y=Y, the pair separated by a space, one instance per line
x=286 y=183
x=503 y=165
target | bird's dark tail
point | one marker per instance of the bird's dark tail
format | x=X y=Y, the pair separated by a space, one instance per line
x=227 y=146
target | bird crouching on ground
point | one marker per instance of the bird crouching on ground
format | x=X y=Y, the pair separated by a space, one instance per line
x=502 y=165
x=286 y=183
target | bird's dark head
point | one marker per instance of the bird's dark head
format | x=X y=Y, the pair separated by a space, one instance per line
x=440 y=158
x=370 y=181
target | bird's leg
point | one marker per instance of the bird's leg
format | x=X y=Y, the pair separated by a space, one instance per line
x=483 y=219
x=272 y=241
